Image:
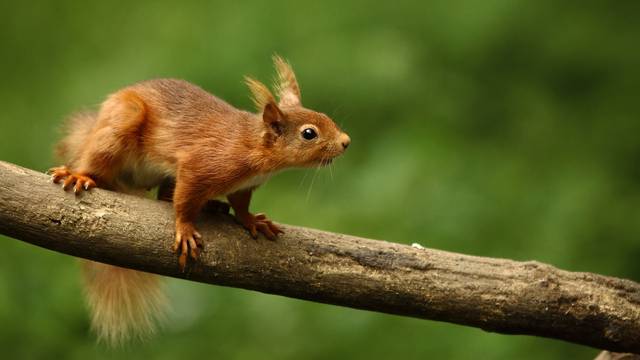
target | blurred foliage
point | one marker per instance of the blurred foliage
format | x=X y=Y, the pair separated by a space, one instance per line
x=499 y=128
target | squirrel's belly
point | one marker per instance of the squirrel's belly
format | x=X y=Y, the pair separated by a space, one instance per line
x=145 y=174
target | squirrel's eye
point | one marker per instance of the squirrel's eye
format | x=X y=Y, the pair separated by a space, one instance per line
x=309 y=134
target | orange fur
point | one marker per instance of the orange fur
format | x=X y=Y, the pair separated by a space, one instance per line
x=167 y=129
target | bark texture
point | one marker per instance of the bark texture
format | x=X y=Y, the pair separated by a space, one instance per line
x=496 y=295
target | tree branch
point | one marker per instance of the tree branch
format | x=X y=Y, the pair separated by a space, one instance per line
x=496 y=295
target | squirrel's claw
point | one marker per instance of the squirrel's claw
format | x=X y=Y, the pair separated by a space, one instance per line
x=77 y=181
x=187 y=244
x=260 y=223
x=253 y=230
x=58 y=173
x=273 y=228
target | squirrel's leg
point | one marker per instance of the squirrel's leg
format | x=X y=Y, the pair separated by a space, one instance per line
x=168 y=186
x=240 y=203
x=98 y=163
x=189 y=197
x=117 y=132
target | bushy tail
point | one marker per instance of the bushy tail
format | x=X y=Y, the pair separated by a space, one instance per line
x=124 y=303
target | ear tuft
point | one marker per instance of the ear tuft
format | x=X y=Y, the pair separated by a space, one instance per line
x=286 y=84
x=260 y=93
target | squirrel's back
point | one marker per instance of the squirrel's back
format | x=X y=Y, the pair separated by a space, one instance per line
x=179 y=99
x=168 y=100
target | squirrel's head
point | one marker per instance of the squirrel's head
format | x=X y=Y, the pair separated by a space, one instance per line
x=296 y=135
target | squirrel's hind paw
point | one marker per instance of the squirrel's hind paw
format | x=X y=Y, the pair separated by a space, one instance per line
x=76 y=181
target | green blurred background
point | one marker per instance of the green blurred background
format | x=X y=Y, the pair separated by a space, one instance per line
x=497 y=128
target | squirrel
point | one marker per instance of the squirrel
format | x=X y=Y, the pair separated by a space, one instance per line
x=194 y=147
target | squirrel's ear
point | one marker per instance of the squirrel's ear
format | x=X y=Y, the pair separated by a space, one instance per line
x=273 y=117
x=260 y=93
x=286 y=85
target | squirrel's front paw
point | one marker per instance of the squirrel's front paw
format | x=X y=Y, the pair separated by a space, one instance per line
x=79 y=182
x=187 y=242
x=260 y=223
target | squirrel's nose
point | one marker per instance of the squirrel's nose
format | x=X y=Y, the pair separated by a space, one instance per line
x=345 y=140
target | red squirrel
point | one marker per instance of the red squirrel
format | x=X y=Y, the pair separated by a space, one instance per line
x=195 y=147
